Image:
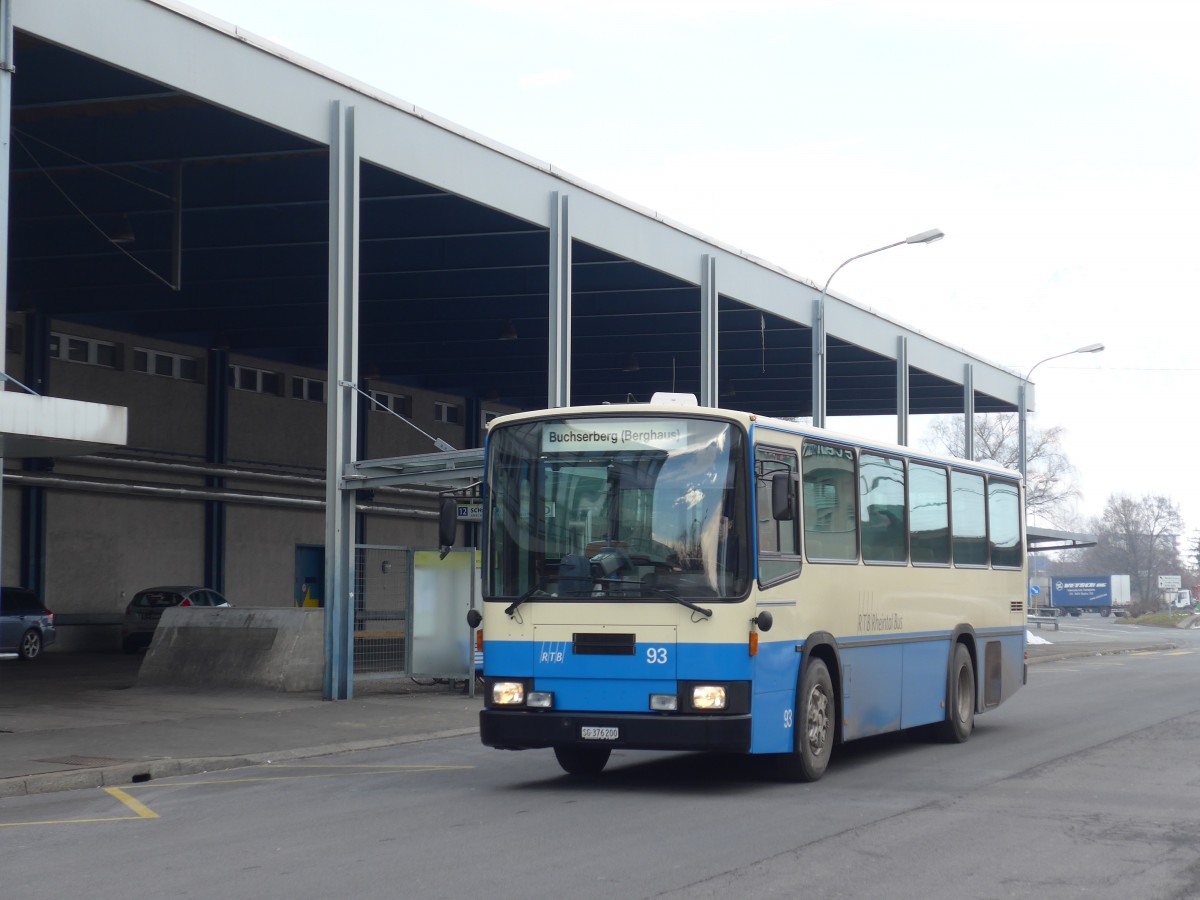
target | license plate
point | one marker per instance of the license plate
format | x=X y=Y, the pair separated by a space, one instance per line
x=592 y=733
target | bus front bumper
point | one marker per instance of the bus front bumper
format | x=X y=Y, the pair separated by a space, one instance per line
x=526 y=729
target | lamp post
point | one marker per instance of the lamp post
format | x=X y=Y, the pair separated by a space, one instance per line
x=1023 y=401
x=818 y=356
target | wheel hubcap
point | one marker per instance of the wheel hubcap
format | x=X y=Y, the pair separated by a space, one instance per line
x=964 y=695
x=817 y=723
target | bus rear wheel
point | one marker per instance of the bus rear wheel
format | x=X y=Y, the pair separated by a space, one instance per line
x=582 y=760
x=816 y=712
x=960 y=699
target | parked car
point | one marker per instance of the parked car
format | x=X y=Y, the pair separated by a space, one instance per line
x=146 y=608
x=26 y=626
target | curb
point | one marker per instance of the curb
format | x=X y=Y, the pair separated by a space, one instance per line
x=141 y=772
x=1066 y=653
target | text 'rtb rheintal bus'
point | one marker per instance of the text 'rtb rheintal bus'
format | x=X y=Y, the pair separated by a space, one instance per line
x=670 y=577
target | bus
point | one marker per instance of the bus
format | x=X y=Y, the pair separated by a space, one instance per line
x=668 y=577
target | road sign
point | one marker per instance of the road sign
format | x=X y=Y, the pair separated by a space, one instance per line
x=470 y=511
x=1169 y=582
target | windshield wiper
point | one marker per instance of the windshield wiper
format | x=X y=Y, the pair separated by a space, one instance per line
x=537 y=586
x=707 y=613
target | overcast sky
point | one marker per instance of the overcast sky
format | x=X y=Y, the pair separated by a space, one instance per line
x=1056 y=144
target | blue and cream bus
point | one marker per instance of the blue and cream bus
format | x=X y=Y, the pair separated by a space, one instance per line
x=670 y=577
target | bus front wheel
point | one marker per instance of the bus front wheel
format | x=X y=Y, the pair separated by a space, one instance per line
x=960 y=699
x=816 y=712
x=582 y=760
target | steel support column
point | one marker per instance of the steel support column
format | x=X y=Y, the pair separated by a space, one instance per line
x=902 y=391
x=1023 y=405
x=709 y=323
x=6 y=73
x=342 y=418
x=216 y=429
x=968 y=411
x=34 y=515
x=559 y=363
x=818 y=363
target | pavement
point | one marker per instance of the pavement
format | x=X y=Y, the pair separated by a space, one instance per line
x=80 y=720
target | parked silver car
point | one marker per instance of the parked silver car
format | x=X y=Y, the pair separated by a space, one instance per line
x=146 y=608
x=26 y=626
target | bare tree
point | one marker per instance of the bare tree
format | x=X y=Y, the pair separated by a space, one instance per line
x=1050 y=489
x=1138 y=537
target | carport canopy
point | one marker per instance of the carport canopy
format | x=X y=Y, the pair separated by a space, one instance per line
x=191 y=203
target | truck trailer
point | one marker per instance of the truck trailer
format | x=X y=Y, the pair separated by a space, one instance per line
x=1076 y=594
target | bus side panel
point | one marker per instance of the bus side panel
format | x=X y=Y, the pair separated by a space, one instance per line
x=871 y=689
x=924 y=683
x=1001 y=666
x=772 y=726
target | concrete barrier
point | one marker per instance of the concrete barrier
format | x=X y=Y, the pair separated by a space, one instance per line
x=282 y=649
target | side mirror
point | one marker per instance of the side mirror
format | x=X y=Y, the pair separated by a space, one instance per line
x=447 y=524
x=781 y=495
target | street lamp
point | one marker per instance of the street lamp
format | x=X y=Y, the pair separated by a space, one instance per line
x=818 y=357
x=1023 y=402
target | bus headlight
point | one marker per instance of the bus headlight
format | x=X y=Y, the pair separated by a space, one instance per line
x=664 y=702
x=508 y=693
x=708 y=696
x=541 y=699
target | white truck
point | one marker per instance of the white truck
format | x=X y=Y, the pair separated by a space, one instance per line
x=1180 y=599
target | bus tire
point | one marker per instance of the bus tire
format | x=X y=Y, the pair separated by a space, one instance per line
x=960 y=699
x=816 y=717
x=582 y=760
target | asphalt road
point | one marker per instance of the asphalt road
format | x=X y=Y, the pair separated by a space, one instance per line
x=1085 y=784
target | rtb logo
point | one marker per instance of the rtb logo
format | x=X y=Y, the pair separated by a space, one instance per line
x=553 y=653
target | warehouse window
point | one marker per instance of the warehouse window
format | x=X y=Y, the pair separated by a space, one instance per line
x=168 y=365
x=397 y=403
x=245 y=378
x=88 y=351
x=449 y=413
x=308 y=389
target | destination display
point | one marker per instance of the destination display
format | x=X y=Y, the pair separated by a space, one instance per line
x=602 y=434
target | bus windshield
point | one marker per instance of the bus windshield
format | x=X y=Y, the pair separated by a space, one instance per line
x=621 y=508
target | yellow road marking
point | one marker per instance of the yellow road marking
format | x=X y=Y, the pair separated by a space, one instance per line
x=71 y=821
x=143 y=811
x=140 y=809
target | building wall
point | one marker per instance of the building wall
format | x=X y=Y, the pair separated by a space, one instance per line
x=144 y=530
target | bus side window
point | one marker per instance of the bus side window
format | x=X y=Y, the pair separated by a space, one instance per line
x=830 y=503
x=969 y=519
x=778 y=539
x=1004 y=523
x=929 y=515
x=881 y=497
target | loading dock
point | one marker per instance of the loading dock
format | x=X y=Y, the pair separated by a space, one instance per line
x=235 y=250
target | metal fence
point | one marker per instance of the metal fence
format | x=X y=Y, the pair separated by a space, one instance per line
x=382 y=610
